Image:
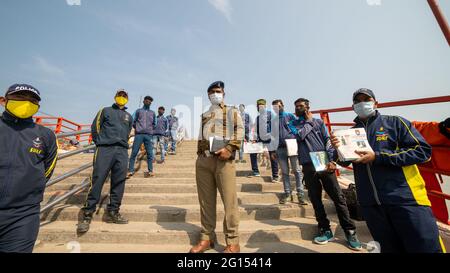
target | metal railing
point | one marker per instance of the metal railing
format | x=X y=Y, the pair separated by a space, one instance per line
x=83 y=185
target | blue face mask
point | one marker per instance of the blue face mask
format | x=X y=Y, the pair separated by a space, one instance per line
x=364 y=109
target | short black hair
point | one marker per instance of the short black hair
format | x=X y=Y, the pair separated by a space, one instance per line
x=162 y=108
x=306 y=101
x=148 y=98
x=277 y=101
x=242 y=105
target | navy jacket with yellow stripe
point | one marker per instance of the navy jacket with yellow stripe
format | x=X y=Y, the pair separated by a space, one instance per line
x=393 y=178
x=112 y=127
x=28 y=154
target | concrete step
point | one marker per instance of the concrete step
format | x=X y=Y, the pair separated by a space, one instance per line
x=173 y=188
x=159 y=173
x=139 y=179
x=289 y=246
x=170 y=199
x=170 y=233
x=186 y=213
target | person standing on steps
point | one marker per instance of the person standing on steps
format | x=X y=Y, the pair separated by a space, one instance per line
x=28 y=155
x=312 y=136
x=161 y=134
x=217 y=170
x=110 y=132
x=282 y=155
x=390 y=188
x=264 y=135
x=144 y=124
x=246 y=120
x=173 y=129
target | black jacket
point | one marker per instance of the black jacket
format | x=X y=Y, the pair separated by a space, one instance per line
x=28 y=154
x=112 y=127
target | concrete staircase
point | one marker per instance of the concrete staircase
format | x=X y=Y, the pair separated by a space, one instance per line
x=164 y=213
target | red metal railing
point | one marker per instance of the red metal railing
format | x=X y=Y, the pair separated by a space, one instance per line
x=325 y=115
x=440 y=17
x=62 y=125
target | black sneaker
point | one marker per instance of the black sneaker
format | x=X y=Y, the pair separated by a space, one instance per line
x=83 y=226
x=114 y=217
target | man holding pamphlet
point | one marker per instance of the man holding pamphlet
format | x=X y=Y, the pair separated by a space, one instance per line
x=221 y=136
x=390 y=189
x=314 y=146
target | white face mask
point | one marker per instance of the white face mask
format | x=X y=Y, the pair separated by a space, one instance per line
x=216 y=98
x=364 y=109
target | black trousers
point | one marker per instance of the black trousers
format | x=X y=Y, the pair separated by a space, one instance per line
x=19 y=228
x=107 y=159
x=404 y=229
x=315 y=182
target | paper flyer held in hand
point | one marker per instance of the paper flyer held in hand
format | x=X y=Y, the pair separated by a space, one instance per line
x=350 y=141
x=253 y=148
x=292 y=147
x=217 y=143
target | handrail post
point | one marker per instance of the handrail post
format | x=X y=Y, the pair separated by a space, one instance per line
x=326 y=119
x=78 y=136
x=58 y=126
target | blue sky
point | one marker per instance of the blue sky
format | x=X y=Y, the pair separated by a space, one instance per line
x=173 y=49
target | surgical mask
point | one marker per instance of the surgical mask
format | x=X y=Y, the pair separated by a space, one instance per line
x=364 y=109
x=216 y=98
x=22 y=109
x=121 y=101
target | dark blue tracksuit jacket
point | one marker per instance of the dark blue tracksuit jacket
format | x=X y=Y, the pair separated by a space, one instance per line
x=28 y=155
x=391 y=190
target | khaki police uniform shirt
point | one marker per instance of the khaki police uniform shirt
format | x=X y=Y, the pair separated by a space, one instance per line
x=224 y=122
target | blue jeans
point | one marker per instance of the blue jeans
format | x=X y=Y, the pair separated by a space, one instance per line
x=148 y=143
x=162 y=145
x=284 y=160
x=273 y=163
x=173 y=140
x=241 y=152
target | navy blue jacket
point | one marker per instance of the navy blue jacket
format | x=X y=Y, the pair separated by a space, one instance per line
x=162 y=126
x=285 y=132
x=312 y=136
x=393 y=178
x=261 y=135
x=28 y=154
x=144 y=121
x=112 y=127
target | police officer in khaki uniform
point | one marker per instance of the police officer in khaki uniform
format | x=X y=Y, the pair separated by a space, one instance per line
x=217 y=170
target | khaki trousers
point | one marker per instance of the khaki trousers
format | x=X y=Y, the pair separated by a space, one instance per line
x=213 y=174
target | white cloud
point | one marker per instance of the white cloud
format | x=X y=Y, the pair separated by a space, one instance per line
x=224 y=6
x=47 y=68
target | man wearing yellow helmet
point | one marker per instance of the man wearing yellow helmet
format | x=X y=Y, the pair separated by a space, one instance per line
x=28 y=154
x=110 y=132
